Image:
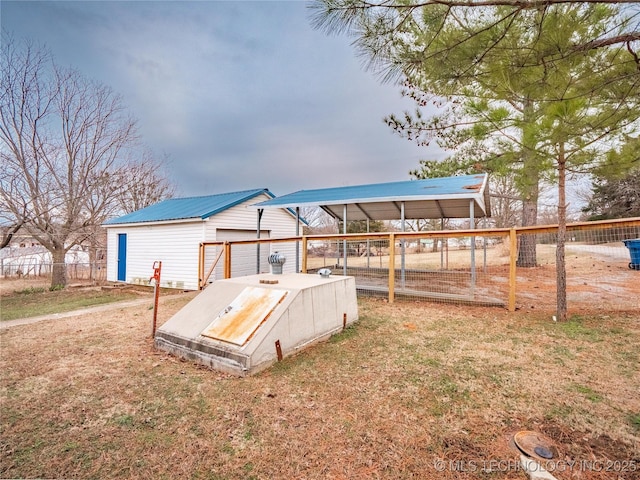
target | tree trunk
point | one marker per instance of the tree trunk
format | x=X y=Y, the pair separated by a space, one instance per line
x=59 y=268
x=561 y=272
x=93 y=259
x=527 y=254
x=530 y=190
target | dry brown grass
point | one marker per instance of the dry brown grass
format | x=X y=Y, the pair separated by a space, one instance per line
x=410 y=384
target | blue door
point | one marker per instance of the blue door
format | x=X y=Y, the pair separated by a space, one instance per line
x=122 y=257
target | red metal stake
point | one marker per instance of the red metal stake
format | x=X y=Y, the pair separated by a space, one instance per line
x=157 y=266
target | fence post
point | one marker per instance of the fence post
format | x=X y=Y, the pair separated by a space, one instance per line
x=392 y=267
x=227 y=260
x=304 y=254
x=201 y=251
x=513 y=256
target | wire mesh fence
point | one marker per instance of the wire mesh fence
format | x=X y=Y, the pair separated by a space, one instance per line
x=514 y=268
x=452 y=269
x=597 y=265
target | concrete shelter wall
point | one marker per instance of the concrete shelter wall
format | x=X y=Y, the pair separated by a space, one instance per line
x=313 y=309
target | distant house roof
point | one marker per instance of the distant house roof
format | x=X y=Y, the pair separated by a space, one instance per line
x=175 y=209
x=447 y=197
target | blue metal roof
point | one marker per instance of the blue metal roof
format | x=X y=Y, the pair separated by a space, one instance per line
x=446 y=197
x=188 y=208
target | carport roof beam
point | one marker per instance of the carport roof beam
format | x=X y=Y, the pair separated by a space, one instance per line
x=359 y=206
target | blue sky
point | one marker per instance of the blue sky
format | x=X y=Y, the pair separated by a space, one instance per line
x=237 y=94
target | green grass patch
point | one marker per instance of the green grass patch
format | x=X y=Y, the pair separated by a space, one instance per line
x=345 y=334
x=125 y=420
x=576 y=329
x=634 y=421
x=588 y=392
x=30 y=291
x=32 y=302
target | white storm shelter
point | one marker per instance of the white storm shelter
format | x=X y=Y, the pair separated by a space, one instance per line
x=243 y=325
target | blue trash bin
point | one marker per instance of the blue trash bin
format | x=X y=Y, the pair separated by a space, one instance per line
x=634 y=250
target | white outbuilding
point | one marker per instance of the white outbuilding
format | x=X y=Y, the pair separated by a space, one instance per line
x=171 y=232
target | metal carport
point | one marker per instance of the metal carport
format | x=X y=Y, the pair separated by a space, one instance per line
x=464 y=196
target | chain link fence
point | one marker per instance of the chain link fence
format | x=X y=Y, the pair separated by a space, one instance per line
x=96 y=272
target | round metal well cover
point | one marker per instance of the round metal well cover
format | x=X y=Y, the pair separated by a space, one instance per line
x=535 y=445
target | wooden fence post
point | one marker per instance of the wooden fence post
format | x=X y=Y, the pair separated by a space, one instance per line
x=227 y=260
x=201 y=251
x=513 y=256
x=304 y=255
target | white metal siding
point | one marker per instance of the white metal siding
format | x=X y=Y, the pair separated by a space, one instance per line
x=176 y=246
x=112 y=255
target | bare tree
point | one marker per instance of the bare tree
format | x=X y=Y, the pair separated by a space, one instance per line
x=10 y=223
x=506 y=208
x=143 y=183
x=61 y=136
x=7 y=234
x=319 y=222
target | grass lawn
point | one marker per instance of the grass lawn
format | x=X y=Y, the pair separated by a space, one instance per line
x=412 y=390
x=35 y=301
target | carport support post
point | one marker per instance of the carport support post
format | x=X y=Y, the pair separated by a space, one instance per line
x=368 y=246
x=260 y=212
x=484 y=246
x=297 y=242
x=344 y=242
x=392 y=267
x=441 y=244
x=402 y=244
x=472 y=226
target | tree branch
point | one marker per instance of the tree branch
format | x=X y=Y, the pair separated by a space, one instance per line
x=606 y=42
x=521 y=4
x=6 y=237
